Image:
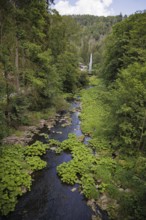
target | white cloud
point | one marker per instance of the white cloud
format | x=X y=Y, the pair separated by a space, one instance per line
x=92 y=7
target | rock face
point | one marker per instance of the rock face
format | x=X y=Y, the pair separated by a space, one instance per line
x=26 y=137
x=16 y=140
x=92 y=204
x=108 y=204
x=29 y=131
x=103 y=202
x=74 y=189
x=94 y=217
x=81 y=138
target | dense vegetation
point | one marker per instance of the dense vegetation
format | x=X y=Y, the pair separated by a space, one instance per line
x=124 y=72
x=118 y=167
x=113 y=114
x=40 y=55
x=39 y=68
x=93 y=31
x=102 y=167
x=121 y=127
x=38 y=61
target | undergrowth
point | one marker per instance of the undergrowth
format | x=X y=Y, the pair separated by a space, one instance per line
x=95 y=115
x=16 y=165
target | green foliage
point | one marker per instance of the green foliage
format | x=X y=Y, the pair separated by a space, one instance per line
x=36 y=163
x=78 y=169
x=53 y=142
x=99 y=144
x=13 y=177
x=93 y=81
x=122 y=47
x=67 y=172
x=31 y=42
x=57 y=39
x=36 y=149
x=88 y=185
x=129 y=106
x=83 y=79
x=124 y=67
x=3 y=125
x=119 y=174
x=40 y=54
x=16 y=165
x=67 y=66
x=93 y=29
x=95 y=115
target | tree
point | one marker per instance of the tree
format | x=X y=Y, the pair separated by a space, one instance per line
x=129 y=107
x=31 y=40
x=67 y=66
x=122 y=47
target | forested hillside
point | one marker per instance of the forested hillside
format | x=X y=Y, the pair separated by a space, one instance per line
x=124 y=72
x=93 y=30
x=40 y=53
x=39 y=61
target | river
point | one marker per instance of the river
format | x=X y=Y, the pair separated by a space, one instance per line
x=49 y=199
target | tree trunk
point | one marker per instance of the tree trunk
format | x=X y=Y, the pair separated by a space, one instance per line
x=142 y=132
x=1 y=31
x=7 y=111
x=17 y=66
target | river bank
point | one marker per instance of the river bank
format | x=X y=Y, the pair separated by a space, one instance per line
x=117 y=173
x=27 y=133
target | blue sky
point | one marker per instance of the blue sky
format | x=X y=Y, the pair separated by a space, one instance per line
x=99 y=7
x=128 y=6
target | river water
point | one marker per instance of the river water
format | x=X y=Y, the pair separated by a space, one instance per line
x=49 y=199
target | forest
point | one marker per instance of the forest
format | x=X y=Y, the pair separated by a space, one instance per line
x=40 y=57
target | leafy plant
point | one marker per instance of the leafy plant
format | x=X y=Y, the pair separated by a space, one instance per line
x=36 y=149
x=16 y=165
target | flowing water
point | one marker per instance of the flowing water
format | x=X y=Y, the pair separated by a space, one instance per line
x=49 y=199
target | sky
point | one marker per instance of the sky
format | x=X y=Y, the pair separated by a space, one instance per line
x=99 y=7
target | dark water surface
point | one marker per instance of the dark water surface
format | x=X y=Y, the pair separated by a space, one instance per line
x=49 y=199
